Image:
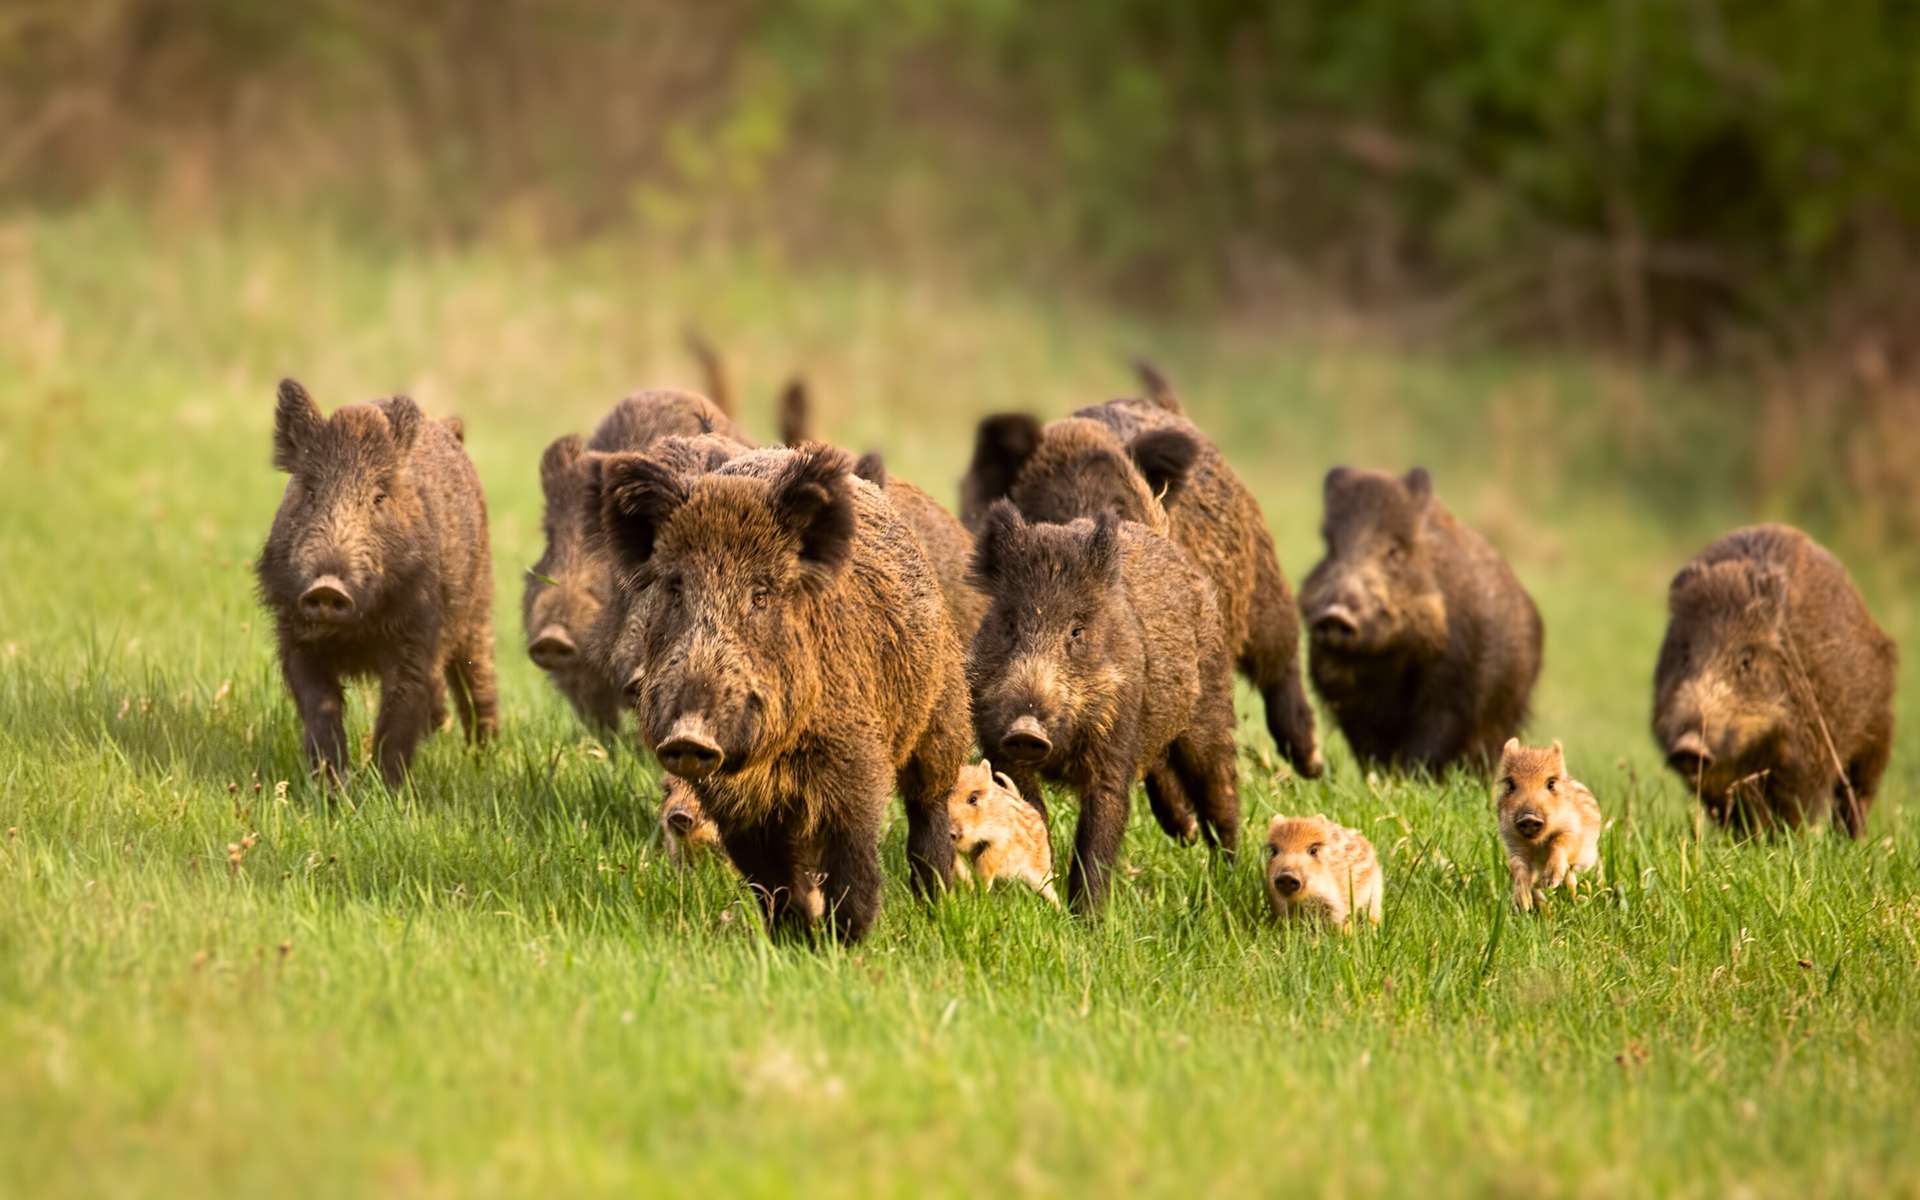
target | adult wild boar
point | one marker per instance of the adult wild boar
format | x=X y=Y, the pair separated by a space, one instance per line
x=1142 y=461
x=1424 y=645
x=377 y=566
x=1773 y=695
x=948 y=545
x=785 y=645
x=1102 y=656
x=567 y=589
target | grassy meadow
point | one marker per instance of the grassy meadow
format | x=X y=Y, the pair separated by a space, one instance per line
x=491 y=983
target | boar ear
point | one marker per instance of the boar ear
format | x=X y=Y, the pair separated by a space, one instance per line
x=1335 y=478
x=403 y=421
x=1002 y=445
x=1769 y=585
x=632 y=496
x=1165 y=457
x=557 y=463
x=795 y=412
x=989 y=551
x=296 y=422
x=1419 y=485
x=1103 y=548
x=872 y=468
x=1683 y=581
x=813 y=499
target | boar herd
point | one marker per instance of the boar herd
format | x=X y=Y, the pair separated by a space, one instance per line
x=797 y=635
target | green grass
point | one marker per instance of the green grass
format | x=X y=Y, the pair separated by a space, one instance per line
x=491 y=983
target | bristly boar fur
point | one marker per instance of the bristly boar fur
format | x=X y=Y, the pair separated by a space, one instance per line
x=1144 y=462
x=1773 y=694
x=567 y=589
x=1101 y=656
x=1424 y=645
x=377 y=566
x=784 y=642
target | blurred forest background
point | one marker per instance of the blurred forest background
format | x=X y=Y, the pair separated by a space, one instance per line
x=1698 y=184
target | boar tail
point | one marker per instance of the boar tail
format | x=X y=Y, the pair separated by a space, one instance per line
x=718 y=386
x=1158 y=387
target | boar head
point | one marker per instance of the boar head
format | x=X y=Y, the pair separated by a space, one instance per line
x=723 y=583
x=1723 y=686
x=1077 y=468
x=567 y=589
x=1375 y=591
x=351 y=528
x=1052 y=655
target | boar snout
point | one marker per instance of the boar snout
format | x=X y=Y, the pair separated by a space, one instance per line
x=1289 y=883
x=553 y=649
x=690 y=750
x=1336 y=621
x=680 y=821
x=1689 y=754
x=1529 y=823
x=1026 y=741
x=326 y=599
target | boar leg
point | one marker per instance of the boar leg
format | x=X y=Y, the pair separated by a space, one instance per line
x=1440 y=735
x=1209 y=768
x=1864 y=774
x=1096 y=839
x=321 y=704
x=1270 y=659
x=850 y=858
x=476 y=694
x=406 y=716
x=924 y=783
x=764 y=856
x=1167 y=797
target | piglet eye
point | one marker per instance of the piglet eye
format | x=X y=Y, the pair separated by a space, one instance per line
x=974 y=799
x=1552 y=783
x=1313 y=851
x=1273 y=852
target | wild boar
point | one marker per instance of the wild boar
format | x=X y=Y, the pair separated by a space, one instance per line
x=1101 y=656
x=1549 y=822
x=1773 y=694
x=783 y=641
x=948 y=545
x=996 y=833
x=377 y=566
x=567 y=589
x=1320 y=870
x=1142 y=461
x=1423 y=643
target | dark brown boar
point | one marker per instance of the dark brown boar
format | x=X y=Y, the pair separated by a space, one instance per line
x=566 y=590
x=948 y=545
x=1102 y=656
x=783 y=640
x=1424 y=644
x=1773 y=695
x=1144 y=463
x=377 y=566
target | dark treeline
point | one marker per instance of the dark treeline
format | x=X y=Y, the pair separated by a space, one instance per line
x=1654 y=173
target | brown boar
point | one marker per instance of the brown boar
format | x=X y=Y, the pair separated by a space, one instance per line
x=1320 y=870
x=1102 y=656
x=567 y=589
x=377 y=566
x=1145 y=463
x=784 y=643
x=1549 y=822
x=1773 y=694
x=1424 y=645
x=948 y=545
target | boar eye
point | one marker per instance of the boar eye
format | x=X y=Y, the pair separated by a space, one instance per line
x=1746 y=662
x=1396 y=553
x=761 y=595
x=1076 y=631
x=379 y=498
x=1313 y=851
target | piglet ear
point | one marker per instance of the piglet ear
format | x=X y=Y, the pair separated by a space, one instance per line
x=633 y=497
x=1335 y=478
x=813 y=499
x=1006 y=781
x=557 y=464
x=1103 y=547
x=1512 y=746
x=1003 y=524
x=1419 y=485
x=1165 y=457
x=296 y=423
x=403 y=421
x=1001 y=446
